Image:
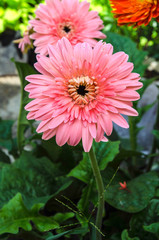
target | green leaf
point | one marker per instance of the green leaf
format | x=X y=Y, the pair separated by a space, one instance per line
x=156 y=133
x=4 y=158
x=15 y=215
x=88 y=195
x=153 y=228
x=75 y=231
x=105 y=153
x=68 y=155
x=145 y=223
x=37 y=179
x=83 y=170
x=23 y=71
x=58 y=235
x=122 y=43
x=142 y=189
x=125 y=236
x=6 y=133
x=62 y=217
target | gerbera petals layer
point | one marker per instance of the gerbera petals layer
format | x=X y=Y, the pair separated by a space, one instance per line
x=81 y=91
x=65 y=18
x=135 y=12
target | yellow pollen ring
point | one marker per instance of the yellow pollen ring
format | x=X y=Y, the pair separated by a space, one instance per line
x=65 y=29
x=82 y=89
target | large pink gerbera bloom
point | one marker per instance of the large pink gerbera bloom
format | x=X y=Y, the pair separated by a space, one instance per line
x=81 y=91
x=65 y=18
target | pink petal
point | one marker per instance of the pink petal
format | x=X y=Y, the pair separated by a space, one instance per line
x=87 y=139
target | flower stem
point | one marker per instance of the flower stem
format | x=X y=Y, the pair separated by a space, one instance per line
x=132 y=137
x=100 y=188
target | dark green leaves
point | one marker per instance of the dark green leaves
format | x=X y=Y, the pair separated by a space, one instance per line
x=142 y=189
x=37 y=179
x=105 y=153
x=6 y=134
x=15 y=215
x=125 y=236
x=146 y=222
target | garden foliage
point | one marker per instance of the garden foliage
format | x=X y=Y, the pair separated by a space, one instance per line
x=49 y=192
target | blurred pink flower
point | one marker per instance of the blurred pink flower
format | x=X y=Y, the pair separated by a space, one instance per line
x=65 y=18
x=25 y=43
x=80 y=91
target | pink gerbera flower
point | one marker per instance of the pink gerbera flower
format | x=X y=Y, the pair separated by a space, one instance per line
x=81 y=91
x=65 y=18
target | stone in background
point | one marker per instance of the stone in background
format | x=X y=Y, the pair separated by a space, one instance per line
x=6 y=53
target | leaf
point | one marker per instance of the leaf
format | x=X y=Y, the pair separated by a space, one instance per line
x=58 y=235
x=146 y=223
x=6 y=134
x=75 y=231
x=62 y=217
x=37 y=179
x=153 y=228
x=23 y=70
x=156 y=134
x=105 y=153
x=88 y=195
x=83 y=170
x=142 y=189
x=68 y=155
x=125 y=236
x=15 y=215
x=4 y=158
x=122 y=43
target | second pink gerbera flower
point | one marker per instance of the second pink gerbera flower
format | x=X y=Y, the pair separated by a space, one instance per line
x=81 y=91
x=65 y=18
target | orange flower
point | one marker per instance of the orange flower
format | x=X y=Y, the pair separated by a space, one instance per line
x=135 y=12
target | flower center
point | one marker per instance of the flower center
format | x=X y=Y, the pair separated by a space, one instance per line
x=65 y=29
x=82 y=89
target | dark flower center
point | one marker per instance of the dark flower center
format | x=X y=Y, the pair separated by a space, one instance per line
x=82 y=90
x=67 y=29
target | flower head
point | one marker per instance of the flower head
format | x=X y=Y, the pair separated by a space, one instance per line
x=80 y=91
x=135 y=12
x=65 y=18
x=25 y=43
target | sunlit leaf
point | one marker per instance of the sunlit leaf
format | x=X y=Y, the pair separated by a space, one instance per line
x=15 y=215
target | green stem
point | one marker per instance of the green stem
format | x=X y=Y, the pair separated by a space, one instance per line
x=132 y=137
x=100 y=188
